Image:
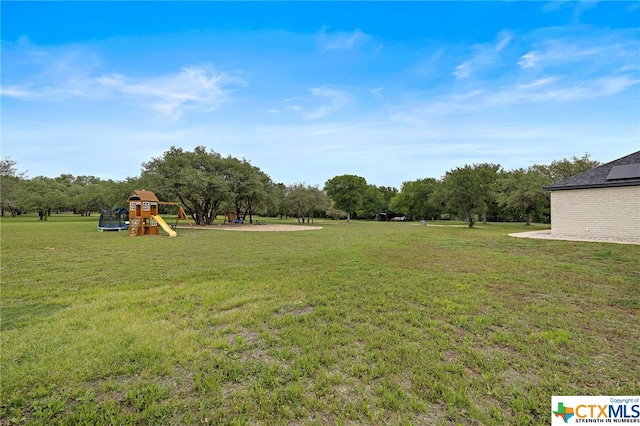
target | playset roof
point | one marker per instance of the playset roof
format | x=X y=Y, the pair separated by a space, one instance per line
x=143 y=195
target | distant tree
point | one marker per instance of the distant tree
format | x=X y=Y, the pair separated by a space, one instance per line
x=249 y=186
x=334 y=212
x=278 y=202
x=7 y=167
x=489 y=174
x=416 y=199
x=521 y=191
x=317 y=201
x=40 y=194
x=116 y=193
x=296 y=200
x=388 y=192
x=347 y=192
x=89 y=199
x=304 y=200
x=470 y=189
x=10 y=180
x=373 y=202
x=81 y=194
x=70 y=191
x=565 y=168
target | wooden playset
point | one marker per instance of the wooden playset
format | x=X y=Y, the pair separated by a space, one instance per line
x=144 y=218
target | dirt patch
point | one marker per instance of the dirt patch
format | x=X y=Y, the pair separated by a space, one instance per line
x=247 y=336
x=293 y=310
x=258 y=228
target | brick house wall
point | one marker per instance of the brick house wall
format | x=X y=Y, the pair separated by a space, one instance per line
x=596 y=212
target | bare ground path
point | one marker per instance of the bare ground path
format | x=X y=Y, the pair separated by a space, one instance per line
x=258 y=228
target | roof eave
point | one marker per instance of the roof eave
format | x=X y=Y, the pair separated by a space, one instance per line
x=634 y=182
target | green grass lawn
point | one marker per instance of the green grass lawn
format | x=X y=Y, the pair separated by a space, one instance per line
x=367 y=323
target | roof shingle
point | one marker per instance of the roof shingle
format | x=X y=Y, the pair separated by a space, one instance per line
x=597 y=177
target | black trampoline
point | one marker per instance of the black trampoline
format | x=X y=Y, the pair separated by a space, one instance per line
x=114 y=220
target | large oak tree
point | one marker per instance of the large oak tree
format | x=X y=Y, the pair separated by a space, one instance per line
x=469 y=189
x=199 y=179
x=347 y=192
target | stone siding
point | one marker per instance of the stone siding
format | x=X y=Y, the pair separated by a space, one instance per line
x=596 y=212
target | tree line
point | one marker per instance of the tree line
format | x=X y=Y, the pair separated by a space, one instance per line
x=208 y=185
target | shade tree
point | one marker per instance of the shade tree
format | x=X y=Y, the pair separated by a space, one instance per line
x=208 y=184
x=561 y=169
x=40 y=194
x=347 y=192
x=10 y=180
x=277 y=204
x=373 y=203
x=335 y=213
x=199 y=179
x=521 y=190
x=250 y=188
x=416 y=199
x=388 y=192
x=468 y=190
x=305 y=200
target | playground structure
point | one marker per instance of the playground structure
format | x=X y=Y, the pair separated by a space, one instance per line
x=144 y=218
x=232 y=218
x=114 y=220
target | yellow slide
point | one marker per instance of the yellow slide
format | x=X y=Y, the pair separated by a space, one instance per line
x=164 y=226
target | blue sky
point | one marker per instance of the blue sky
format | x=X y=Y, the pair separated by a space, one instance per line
x=310 y=90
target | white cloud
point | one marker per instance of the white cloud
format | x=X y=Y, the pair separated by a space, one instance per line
x=543 y=91
x=529 y=60
x=554 y=6
x=601 y=51
x=559 y=52
x=20 y=92
x=485 y=55
x=32 y=72
x=377 y=91
x=552 y=92
x=323 y=102
x=554 y=71
x=32 y=92
x=337 y=100
x=536 y=83
x=58 y=73
x=578 y=7
x=463 y=70
x=341 y=40
x=581 y=7
x=503 y=41
x=193 y=88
